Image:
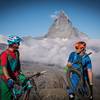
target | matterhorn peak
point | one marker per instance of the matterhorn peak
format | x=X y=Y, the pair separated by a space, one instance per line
x=62 y=17
x=62 y=27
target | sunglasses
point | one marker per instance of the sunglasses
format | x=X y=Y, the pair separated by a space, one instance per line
x=78 y=48
x=17 y=43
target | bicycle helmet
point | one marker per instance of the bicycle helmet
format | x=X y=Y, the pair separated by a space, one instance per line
x=80 y=45
x=13 y=39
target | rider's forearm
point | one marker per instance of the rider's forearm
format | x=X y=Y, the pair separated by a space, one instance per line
x=5 y=72
x=90 y=76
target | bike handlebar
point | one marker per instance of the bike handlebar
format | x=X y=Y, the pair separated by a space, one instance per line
x=37 y=74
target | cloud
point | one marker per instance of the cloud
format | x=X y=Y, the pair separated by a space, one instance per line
x=56 y=51
x=96 y=63
x=3 y=39
x=55 y=15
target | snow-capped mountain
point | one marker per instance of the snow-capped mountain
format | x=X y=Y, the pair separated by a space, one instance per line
x=62 y=28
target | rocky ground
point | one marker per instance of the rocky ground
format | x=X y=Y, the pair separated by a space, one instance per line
x=52 y=85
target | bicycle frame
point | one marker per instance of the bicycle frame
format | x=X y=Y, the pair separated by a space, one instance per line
x=22 y=90
x=18 y=90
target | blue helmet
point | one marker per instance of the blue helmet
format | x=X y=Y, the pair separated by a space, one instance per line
x=13 y=39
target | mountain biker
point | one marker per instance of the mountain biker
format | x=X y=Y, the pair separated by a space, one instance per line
x=78 y=56
x=10 y=68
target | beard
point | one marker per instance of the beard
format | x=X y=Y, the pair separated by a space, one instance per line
x=15 y=47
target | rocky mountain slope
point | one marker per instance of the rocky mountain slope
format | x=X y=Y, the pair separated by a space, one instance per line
x=62 y=28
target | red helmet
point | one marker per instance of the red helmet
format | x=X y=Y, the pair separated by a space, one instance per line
x=80 y=45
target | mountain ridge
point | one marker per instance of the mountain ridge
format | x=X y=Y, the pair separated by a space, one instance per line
x=62 y=27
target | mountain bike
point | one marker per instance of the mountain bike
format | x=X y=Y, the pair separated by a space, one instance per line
x=20 y=92
x=82 y=88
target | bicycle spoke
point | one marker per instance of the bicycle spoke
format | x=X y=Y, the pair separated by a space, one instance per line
x=26 y=95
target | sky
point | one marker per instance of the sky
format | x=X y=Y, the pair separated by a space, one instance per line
x=33 y=17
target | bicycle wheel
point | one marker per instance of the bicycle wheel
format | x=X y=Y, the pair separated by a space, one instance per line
x=26 y=95
x=74 y=79
x=31 y=94
x=84 y=89
x=81 y=89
